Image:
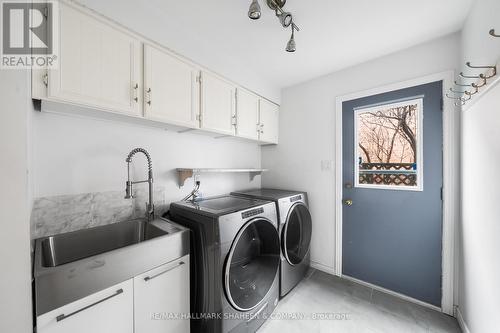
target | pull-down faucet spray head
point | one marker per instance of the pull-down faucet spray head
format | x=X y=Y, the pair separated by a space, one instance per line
x=129 y=183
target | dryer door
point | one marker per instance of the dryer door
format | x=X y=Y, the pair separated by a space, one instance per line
x=252 y=264
x=296 y=236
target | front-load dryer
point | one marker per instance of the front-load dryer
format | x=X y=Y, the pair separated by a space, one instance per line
x=295 y=229
x=235 y=262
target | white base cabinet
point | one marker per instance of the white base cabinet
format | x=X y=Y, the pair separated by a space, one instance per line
x=161 y=303
x=107 y=311
x=157 y=301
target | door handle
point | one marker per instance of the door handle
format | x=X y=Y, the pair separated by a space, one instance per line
x=348 y=202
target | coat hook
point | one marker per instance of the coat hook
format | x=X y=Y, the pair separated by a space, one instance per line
x=480 y=76
x=463 y=85
x=470 y=77
x=492 y=33
x=462 y=102
x=452 y=97
x=494 y=68
x=458 y=92
x=468 y=93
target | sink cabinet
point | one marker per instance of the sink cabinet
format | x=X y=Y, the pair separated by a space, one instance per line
x=107 y=311
x=160 y=295
x=147 y=303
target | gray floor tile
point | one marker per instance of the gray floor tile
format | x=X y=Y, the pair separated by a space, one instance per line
x=328 y=304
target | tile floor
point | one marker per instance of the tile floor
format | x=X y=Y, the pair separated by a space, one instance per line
x=351 y=308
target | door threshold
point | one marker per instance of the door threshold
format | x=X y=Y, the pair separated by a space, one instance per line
x=392 y=293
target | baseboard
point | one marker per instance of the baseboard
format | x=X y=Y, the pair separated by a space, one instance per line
x=461 y=321
x=323 y=268
x=392 y=293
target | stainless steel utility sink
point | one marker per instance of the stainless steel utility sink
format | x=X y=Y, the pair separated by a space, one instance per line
x=72 y=246
x=70 y=266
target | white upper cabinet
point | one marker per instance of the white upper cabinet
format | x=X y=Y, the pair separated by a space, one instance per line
x=99 y=65
x=107 y=311
x=269 y=122
x=247 y=114
x=105 y=67
x=218 y=107
x=171 y=88
x=163 y=291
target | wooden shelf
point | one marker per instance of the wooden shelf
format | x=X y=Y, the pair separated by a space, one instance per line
x=185 y=173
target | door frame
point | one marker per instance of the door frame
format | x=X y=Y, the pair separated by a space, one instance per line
x=450 y=179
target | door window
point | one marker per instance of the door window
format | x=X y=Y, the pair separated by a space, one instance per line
x=388 y=141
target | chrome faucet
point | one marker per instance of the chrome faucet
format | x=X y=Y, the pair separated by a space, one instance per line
x=150 y=208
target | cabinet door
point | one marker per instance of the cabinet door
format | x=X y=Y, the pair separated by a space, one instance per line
x=218 y=104
x=160 y=295
x=171 y=88
x=99 y=64
x=269 y=122
x=107 y=311
x=247 y=114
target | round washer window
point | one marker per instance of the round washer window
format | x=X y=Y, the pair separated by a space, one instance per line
x=252 y=264
x=297 y=234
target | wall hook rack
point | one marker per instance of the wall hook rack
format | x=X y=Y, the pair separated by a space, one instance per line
x=492 y=33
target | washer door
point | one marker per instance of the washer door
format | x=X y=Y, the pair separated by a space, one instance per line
x=252 y=264
x=297 y=234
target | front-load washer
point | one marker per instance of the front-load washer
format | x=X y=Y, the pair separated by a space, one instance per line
x=235 y=262
x=295 y=228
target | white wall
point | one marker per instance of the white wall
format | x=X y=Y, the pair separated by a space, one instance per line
x=307 y=129
x=479 y=263
x=77 y=155
x=15 y=277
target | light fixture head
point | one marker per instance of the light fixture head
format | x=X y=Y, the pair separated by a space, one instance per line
x=275 y=4
x=291 y=46
x=286 y=19
x=254 y=10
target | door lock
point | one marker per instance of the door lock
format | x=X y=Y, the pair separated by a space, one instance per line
x=348 y=202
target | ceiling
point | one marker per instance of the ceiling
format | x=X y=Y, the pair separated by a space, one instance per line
x=334 y=34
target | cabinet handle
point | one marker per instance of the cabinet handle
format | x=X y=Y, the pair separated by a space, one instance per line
x=63 y=316
x=148 y=278
x=136 y=99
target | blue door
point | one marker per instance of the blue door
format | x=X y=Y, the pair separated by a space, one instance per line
x=392 y=190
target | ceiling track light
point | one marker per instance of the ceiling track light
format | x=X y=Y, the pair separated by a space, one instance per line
x=285 y=18
x=254 y=10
